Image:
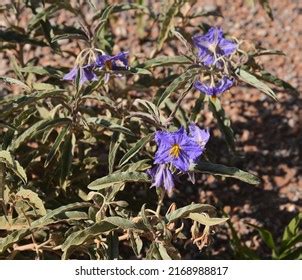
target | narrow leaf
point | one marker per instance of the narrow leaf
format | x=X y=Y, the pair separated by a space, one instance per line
x=167 y=23
x=139 y=71
x=80 y=237
x=37 y=128
x=136 y=243
x=118 y=177
x=252 y=80
x=292 y=228
x=163 y=252
x=117 y=9
x=49 y=71
x=165 y=61
x=225 y=171
x=71 y=36
x=179 y=82
x=14 y=82
x=13 y=165
x=205 y=220
x=268 y=77
x=266 y=6
x=266 y=236
x=56 y=145
x=120 y=222
x=135 y=149
x=110 y=125
x=67 y=154
x=184 y=212
x=115 y=142
x=224 y=122
x=34 y=199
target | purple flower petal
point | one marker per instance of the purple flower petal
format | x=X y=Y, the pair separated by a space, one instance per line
x=211 y=37
x=161 y=177
x=89 y=74
x=223 y=85
x=182 y=162
x=86 y=74
x=227 y=47
x=206 y=57
x=200 y=136
x=121 y=58
x=162 y=155
x=203 y=88
x=101 y=60
x=112 y=62
x=168 y=180
x=163 y=138
x=71 y=75
x=192 y=149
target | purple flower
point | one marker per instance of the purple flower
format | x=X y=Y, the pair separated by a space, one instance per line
x=176 y=148
x=86 y=74
x=224 y=84
x=213 y=45
x=200 y=136
x=116 y=62
x=161 y=177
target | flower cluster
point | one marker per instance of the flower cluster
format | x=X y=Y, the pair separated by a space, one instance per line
x=87 y=71
x=176 y=152
x=213 y=52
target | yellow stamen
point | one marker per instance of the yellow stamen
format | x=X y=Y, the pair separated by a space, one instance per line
x=175 y=150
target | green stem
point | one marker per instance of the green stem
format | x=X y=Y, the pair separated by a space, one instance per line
x=161 y=195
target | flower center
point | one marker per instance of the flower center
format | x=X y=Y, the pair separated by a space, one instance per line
x=175 y=150
x=108 y=65
x=212 y=47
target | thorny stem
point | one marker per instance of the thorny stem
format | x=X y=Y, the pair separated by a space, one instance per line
x=160 y=201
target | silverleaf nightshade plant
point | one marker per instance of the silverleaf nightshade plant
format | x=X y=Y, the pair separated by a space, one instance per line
x=85 y=147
